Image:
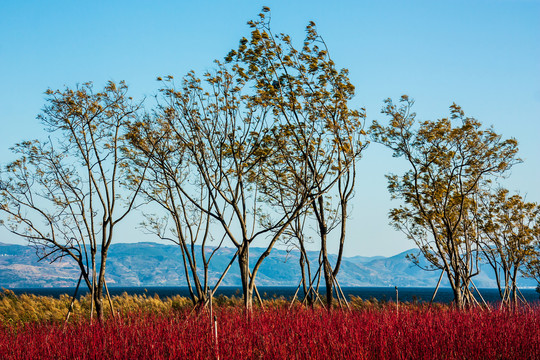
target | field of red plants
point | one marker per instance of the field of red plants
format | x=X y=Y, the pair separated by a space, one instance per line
x=414 y=333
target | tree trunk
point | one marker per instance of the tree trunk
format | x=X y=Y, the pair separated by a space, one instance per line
x=98 y=301
x=247 y=291
x=458 y=299
x=328 y=279
x=456 y=289
x=98 y=292
x=327 y=268
x=306 y=278
x=328 y=274
x=186 y=274
x=303 y=273
x=514 y=289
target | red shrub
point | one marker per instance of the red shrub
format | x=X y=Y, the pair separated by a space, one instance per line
x=416 y=333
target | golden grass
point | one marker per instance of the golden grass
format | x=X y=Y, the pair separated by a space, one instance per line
x=31 y=308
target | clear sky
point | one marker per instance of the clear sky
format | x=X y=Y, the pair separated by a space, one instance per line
x=482 y=54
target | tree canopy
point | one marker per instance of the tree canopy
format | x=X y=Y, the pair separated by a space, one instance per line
x=452 y=160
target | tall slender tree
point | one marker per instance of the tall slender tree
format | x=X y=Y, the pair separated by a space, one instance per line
x=451 y=160
x=268 y=132
x=170 y=176
x=509 y=227
x=309 y=99
x=65 y=194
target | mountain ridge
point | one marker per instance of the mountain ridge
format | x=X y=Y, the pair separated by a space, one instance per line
x=155 y=264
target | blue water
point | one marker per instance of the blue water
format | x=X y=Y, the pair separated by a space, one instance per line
x=444 y=295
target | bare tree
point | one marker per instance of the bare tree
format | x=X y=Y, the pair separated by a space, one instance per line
x=450 y=164
x=65 y=194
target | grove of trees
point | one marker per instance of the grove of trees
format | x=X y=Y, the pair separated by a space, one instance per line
x=256 y=151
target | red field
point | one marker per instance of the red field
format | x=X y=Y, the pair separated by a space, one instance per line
x=280 y=334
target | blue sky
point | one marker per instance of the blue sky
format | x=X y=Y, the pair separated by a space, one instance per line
x=482 y=54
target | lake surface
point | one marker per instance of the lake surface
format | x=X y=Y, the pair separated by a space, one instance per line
x=444 y=295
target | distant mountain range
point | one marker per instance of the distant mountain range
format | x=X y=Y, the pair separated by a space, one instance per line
x=153 y=264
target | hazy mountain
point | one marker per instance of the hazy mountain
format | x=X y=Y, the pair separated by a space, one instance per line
x=152 y=264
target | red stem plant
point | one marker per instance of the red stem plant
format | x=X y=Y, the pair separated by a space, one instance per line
x=372 y=333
